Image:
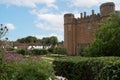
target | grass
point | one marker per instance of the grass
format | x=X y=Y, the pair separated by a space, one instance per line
x=79 y=58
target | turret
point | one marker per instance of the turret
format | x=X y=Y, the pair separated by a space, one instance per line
x=107 y=8
x=69 y=33
x=68 y=18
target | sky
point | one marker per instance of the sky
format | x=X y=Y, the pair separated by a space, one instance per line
x=43 y=18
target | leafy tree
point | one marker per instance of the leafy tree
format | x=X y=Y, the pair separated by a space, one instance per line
x=45 y=40
x=29 y=39
x=50 y=41
x=107 y=42
x=53 y=41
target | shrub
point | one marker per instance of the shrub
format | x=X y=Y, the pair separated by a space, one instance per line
x=23 y=51
x=107 y=38
x=76 y=68
x=39 y=51
x=10 y=49
x=50 y=50
x=27 y=70
x=59 y=50
x=111 y=72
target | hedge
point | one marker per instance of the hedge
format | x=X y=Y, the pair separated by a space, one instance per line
x=59 y=50
x=39 y=51
x=23 y=51
x=97 y=68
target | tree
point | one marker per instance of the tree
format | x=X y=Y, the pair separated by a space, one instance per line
x=45 y=40
x=53 y=41
x=107 y=38
x=29 y=39
x=3 y=31
x=50 y=41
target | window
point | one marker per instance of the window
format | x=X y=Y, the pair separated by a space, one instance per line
x=89 y=25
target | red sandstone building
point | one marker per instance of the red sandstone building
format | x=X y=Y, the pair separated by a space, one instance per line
x=80 y=31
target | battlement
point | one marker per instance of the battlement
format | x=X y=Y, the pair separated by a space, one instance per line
x=86 y=17
x=107 y=4
x=70 y=15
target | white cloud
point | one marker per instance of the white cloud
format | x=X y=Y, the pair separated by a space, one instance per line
x=90 y=3
x=48 y=21
x=29 y=3
x=10 y=26
x=84 y=3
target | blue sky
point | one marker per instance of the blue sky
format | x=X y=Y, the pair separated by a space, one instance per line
x=42 y=18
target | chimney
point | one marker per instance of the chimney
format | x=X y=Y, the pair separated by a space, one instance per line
x=84 y=14
x=81 y=15
x=92 y=12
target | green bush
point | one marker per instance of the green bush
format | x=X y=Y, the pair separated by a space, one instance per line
x=10 y=49
x=39 y=51
x=50 y=50
x=1 y=61
x=1 y=55
x=59 y=50
x=27 y=70
x=107 y=38
x=23 y=51
x=111 y=72
x=76 y=68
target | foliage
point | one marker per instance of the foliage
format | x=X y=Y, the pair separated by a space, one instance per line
x=49 y=40
x=107 y=38
x=59 y=50
x=39 y=51
x=77 y=68
x=23 y=51
x=45 y=40
x=50 y=50
x=3 y=31
x=110 y=73
x=53 y=41
x=10 y=49
x=81 y=49
x=29 y=39
x=0 y=54
x=27 y=70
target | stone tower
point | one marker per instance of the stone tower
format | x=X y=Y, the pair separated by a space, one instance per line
x=69 y=33
x=79 y=32
x=106 y=9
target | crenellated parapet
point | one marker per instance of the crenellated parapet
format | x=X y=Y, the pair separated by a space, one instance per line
x=84 y=18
